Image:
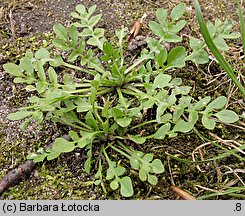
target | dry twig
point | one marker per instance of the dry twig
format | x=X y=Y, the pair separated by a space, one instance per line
x=16 y=175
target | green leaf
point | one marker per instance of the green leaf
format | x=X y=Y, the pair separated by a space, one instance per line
x=19 y=115
x=157 y=166
x=176 y=57
x=178 y=11
x=134 y=163
x=110 y=171
x=86 y=32
x=176 y=81
x=42 y=53
x=154 y=46
x=21 y=80
x=41 y=86
x=38 y=115
x=193 y=117
x=62 y=145
x=137 y=139
x=178 y=113
x=195 y=43
x=58 y=61
x=108 y=49
x=162 y=131
x=211 y=28
x=116 y=113
x=94 y=41
x=142 y=175
x=152 y=179
x=165 y=118
x=87 y=164
x=106 y=108
x=13 y=69
x=26 y=65
x=94 y=20
x=199 y=57
x=160 y=110
x=124 y=122
x=119 y=170
x=220 y=43
x=207 y=122
x=161 y=80
x=53 y=155
x=183 y=126
x=73 y=135
x=73 y=33
x=171 y=38
x=61 y=44
x=161 y=15
x=114 y=184
x=37 y=157
x=92 y=9
x=87 y=138
x=60 y=31
x=146 y=166
x=218 y=103
x=178 y=26
x=52 y=76
x=156 y=28
x=227 y=116
x=126 y=187
x=80 y=9
x=233 y=35
x=202 y=103
x=24 y=125
x=99 y=32
x=161 y=58
x=40 y=70
x=148 y=157
x=83 y=106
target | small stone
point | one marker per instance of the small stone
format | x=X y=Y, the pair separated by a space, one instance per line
x=35 y=174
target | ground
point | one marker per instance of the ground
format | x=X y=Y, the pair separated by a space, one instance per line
x=65 y=177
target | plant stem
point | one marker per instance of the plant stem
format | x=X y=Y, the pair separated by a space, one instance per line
x=142 y=124
x=139 y=61
x=79 y=68
x=121 y=152
x=136 y=92
x=106 y=155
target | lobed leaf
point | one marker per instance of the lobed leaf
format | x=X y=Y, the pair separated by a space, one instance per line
x=178 y=11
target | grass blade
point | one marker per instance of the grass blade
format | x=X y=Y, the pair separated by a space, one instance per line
x=242 y=24
x=229 y=191
x=225 y=65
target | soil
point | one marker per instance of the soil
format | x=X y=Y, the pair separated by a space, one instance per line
x=65 y=177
